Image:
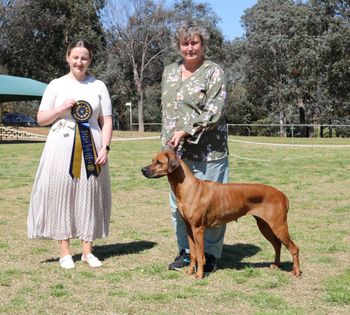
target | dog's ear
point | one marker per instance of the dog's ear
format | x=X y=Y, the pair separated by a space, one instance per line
x=173 y=163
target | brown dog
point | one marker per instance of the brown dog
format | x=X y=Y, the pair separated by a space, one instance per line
x=205 y=204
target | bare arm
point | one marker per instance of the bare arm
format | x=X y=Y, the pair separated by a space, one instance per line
x=107 y=129
x=46 y=117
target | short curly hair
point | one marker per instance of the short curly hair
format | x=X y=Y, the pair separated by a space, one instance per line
x=190 y=29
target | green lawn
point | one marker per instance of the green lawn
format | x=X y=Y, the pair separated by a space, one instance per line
x=134 y=278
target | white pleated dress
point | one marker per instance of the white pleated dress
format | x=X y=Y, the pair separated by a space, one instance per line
x=62 y=207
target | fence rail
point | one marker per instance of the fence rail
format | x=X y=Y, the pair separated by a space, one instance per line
x=290 y=130
x=14 y=133
x=274 y=130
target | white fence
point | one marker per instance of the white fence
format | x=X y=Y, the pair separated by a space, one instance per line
x=274 y=130
x=290 y=130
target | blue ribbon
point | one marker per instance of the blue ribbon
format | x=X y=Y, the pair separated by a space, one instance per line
x=89 y=152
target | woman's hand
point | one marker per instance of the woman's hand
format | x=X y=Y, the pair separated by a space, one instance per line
x=68 y=103
x=176 y=138
x=102 y=156
x=47 y=117
x=107 y=130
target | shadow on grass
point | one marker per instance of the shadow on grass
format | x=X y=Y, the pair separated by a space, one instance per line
x=232 y=256
x=106 y=251
x=112 y=250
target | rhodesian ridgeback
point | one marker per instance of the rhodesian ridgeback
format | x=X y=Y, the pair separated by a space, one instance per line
x=206 y=204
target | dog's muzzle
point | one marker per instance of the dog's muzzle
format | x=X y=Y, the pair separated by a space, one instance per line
x=146 y=171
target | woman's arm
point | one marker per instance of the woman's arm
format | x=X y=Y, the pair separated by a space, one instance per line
x=46 y=117
x=215 y=100
x=107 y=130
x=214 y=103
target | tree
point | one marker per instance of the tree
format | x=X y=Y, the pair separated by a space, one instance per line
x=334 y=56
x=240 y=109
x=296 y=60
x=138 y=34
x=37 y=34
x=5 y=8
x=275 y=34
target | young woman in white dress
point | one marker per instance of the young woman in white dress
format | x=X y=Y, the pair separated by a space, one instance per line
x=62 y=206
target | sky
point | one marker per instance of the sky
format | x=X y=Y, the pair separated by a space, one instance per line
x=230 y=12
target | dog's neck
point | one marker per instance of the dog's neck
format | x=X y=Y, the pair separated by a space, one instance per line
x=181 y=177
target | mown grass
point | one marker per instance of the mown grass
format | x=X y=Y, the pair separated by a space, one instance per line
x=134 y=278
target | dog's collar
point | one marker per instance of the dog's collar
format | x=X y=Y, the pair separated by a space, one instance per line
x=179 y=151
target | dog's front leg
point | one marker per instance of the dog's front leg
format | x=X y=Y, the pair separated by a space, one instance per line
x=198 y=234
x=191 y=269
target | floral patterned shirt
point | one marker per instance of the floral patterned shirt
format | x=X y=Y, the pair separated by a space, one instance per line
x=196 y=105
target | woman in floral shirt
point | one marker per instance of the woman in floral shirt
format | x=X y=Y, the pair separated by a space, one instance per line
x=193 y=100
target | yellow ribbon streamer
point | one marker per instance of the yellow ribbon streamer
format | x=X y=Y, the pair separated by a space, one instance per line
x=77 y=154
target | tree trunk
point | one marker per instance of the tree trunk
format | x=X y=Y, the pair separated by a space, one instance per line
x=138 y=83
x=283 y=132
x=140 y=113
x=304 y=129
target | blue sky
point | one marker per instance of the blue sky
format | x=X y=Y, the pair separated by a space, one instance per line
x=230 y=12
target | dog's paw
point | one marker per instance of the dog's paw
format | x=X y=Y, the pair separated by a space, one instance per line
x=274 y=266
x=296 y=272
x=190 y=270
x=198 y=276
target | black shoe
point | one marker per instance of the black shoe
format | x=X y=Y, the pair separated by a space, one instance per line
x=210 y=263
x=181 y=261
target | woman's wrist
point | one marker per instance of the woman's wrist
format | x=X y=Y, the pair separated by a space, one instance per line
x=106 y=147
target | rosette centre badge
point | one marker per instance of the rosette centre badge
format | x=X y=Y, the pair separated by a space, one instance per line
x=81 y=111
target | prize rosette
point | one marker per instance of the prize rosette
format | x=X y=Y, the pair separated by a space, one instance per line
x=81 y=111
x=83 y=144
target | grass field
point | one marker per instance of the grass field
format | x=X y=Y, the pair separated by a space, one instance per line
x=134 y=278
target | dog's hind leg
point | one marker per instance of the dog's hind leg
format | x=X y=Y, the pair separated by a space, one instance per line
x=271 y=237
x=282 y=233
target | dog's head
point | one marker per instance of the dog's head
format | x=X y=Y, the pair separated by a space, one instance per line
x=164 y=163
